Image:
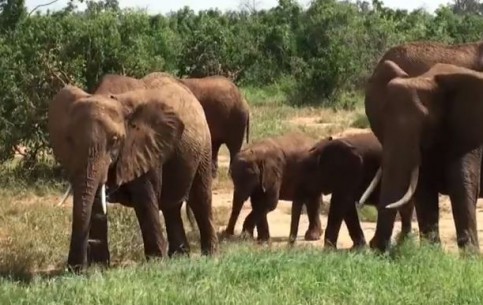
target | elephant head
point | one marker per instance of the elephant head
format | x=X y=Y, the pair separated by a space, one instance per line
x=416 y=111
x=106 y=139
x=252 y=169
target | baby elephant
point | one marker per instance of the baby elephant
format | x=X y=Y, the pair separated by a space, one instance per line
x=267 y=171
x=342 y=167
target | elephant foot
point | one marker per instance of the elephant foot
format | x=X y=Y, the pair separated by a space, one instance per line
x=378 y=245
x=246 y=235
x=98 y=253
x=313 y=235
x=181 y=250
x=359 y=245
x=330 y=245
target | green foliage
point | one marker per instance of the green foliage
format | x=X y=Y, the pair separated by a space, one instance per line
x=320 y=56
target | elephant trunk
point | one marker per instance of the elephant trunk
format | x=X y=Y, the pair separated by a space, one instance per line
x=85 y=187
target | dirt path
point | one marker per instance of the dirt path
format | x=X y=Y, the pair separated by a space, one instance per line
x=279 y=221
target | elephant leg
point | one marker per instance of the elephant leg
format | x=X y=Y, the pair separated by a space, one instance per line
x=463 y=180
x=426 y=202
x=249 y=224
x=384 y=227
x=353 y=224
x=263 y=229
x=200 y=201
x=235 y=144
x=239 y=199
x=215 y=148
x=295 y=220
x=262 y=205
x=337 y=211
x=98 y=249
x=177 y=241
x=313 y=213
x=145 y=194
x=406 y=214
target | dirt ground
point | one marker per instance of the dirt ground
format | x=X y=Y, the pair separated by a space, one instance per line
x=279 y=220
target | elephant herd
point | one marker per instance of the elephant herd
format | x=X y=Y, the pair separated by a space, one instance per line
x=152 y=144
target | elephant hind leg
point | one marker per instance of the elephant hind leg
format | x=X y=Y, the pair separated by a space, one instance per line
x=215 y=148
x=200 y=201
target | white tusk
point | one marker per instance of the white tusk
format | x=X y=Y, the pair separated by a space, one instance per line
x=370 y=188
x=103 y=198
x=410 y=192
x=66 y=195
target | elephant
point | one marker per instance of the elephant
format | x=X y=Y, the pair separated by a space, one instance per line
x=432 y=137
x=414 y=59
x=227 y=113
x=266 y=171
x=226 y=110
x=152 y=144
x=343 y=167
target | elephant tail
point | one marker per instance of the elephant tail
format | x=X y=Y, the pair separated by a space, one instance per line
x=248 y=128
x=190 y=216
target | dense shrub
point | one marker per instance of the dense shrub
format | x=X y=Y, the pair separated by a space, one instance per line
x=320 y=53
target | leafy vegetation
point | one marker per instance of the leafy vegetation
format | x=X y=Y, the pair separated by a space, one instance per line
x=320 y=55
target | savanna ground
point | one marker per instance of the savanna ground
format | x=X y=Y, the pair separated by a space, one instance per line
x=34 y=239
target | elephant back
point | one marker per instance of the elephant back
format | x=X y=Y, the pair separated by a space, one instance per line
x=116 y=84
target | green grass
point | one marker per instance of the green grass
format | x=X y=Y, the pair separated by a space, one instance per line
x=245 y=275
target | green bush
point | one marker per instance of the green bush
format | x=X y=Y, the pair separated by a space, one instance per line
x=323 y=53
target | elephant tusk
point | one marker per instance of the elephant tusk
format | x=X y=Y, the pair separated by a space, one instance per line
x=410 y=192
x=103 y=198
x=370 y=188
x=64 y=198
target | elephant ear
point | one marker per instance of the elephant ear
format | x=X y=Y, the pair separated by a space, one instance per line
x=270 y=172
x=153 y=132
x=468 y=82
x=388 y=71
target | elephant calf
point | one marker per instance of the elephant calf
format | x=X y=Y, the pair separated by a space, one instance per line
x=342 y=167
x=267 y=171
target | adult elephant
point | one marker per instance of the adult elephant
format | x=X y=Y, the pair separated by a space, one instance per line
x=227 y=113
x=432 y=144
x=153 y=144
x=413 y=59
x=226 y=110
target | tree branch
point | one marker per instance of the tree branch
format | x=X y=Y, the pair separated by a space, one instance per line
x=41 y=5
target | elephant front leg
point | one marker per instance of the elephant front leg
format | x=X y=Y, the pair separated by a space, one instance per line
x=385 y=225
x=98 y=249
x=177 y=241
x=238 y=199
x=463 y=180
x=145 y=200
x=406 y=214
x=263 y=229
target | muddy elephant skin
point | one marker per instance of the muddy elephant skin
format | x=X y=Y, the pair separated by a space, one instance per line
x=266 y=171
x=153 y=144
x=342 y=167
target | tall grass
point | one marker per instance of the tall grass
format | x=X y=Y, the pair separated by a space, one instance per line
x=264 y=276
